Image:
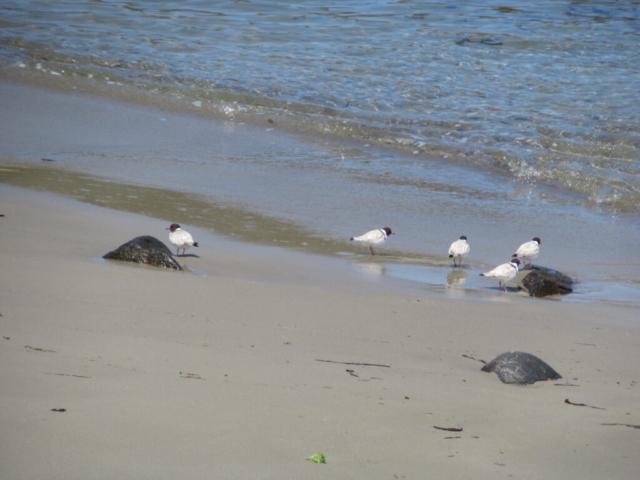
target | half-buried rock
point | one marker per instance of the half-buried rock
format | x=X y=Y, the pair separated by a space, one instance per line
x=520 y=368
x=148 y=250
x=542 y=282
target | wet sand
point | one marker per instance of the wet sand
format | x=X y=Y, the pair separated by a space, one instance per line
x=251 y=180
x=227 y=370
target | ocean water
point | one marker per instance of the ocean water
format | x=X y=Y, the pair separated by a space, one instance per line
x=494 y=119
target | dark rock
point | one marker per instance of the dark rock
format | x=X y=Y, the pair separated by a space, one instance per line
x=148 y=250
x=541 y=281
x=520 y=368
x=486 y=41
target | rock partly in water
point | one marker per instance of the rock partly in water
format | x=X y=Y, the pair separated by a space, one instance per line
x=146 y=249
x=520 y=368
x=541 y=282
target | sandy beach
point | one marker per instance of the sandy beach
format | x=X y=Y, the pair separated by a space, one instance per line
x=274 y=137
x=259 y=355
x=248 y=363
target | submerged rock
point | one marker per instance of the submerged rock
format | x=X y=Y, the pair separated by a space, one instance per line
x=486 y=41
x=146 y=249
x=541 y=282
x=520 y=368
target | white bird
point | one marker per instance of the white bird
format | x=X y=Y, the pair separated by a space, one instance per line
x=459 y=249
x=180 y=238
x=374 y=237
x=528 y=251
x=504 y=272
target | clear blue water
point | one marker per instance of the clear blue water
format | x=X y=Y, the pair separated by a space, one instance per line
x=554 y=102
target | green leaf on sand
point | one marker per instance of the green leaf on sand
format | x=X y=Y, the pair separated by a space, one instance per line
x=317 y=458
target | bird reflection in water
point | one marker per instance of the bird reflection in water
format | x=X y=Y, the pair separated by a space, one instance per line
x=456 y=279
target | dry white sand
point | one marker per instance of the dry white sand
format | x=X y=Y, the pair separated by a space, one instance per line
x=166 y=375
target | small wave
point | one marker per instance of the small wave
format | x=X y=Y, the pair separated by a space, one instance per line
x=602 y=167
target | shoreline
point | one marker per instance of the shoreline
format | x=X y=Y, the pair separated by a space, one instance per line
x=228 y=178
x=422 y=275
x=163 y=374
x=259 y=184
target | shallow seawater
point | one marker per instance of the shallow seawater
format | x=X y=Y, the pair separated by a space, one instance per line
x=541 y=95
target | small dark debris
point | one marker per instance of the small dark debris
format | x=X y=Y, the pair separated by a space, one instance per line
x=355 y=363
x=449 y=429
x=58 y=409
x=48 y=160
x=68 y=375
x=37 y=349
x=582 y=405
x=476 y=359
x=621 y=425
